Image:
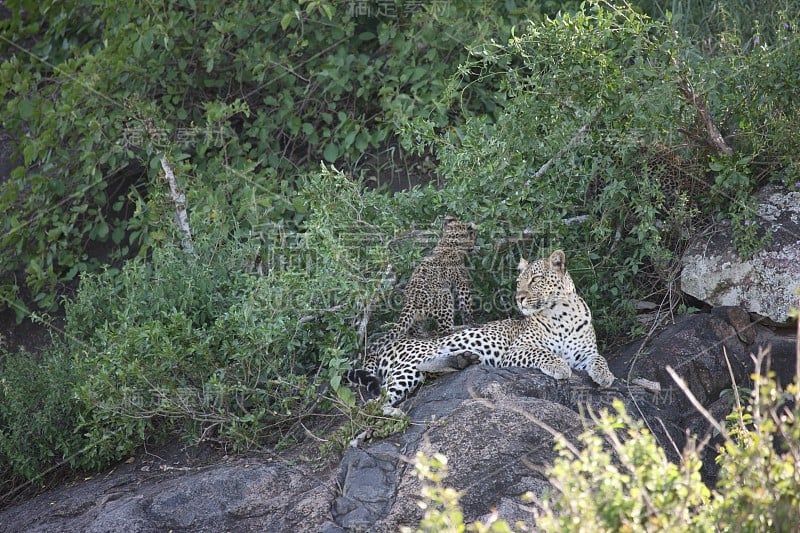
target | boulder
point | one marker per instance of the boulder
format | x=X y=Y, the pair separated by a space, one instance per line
x=489 y=423
x=767 y=283
x=494 y=425
x=701 y=348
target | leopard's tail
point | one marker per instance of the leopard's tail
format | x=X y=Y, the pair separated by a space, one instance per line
x=364 y=378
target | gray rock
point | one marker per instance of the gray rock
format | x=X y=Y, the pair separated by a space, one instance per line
x=368 y=481
x=767 y=283
x=242 y=496
x=495 y=426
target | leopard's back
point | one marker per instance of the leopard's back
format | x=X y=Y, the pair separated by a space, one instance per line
x=440 y=283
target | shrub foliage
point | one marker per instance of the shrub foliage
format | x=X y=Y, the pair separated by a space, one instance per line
x=245 y=94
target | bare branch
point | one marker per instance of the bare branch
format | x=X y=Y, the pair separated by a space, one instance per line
x=697 y=405
x=712 y=137
x=319 y=313
x=575 y=140
x=179 y=201
x=736 y=396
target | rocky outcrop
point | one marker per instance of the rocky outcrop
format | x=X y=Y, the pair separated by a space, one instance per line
x=767 y=284
x=494 y=425
x=245 y=495
x=482 y=419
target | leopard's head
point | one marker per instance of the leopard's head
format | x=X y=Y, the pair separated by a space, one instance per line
x=541 y=282
x=457 y=235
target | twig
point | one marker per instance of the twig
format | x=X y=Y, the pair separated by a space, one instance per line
x=362 y=323
x=713 y=136
x=735 y=388
x=528 y=234
x=175 y=195
x=697 y=405
x=669 y=437
x=649 y=385
x=319 y=313
x=572 y=142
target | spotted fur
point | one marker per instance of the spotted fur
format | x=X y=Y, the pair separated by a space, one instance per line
x=440 y=283
x=399 y=365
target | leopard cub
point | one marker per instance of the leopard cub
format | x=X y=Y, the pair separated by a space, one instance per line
x=440 y=282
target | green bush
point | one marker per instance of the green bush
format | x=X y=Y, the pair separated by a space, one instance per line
x=232 y=343
x=205 y=344
x=245 y=94
x=37 y=414
x=633 y=487
x=589 y=94
x=760 y=463
x=595 y=122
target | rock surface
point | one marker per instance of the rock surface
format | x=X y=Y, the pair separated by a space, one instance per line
x=767 y=283
x=490 y=423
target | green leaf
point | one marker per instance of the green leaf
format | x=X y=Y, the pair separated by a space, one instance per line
x=331 y=152
x=286 y=20
x=118 y=234
x=349 y=139
x=101 y=231
x=362 y=141
x=346 y=396
x=25 y=109
x=147 y=40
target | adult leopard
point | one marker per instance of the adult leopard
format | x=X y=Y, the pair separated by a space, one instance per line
x=555 y=336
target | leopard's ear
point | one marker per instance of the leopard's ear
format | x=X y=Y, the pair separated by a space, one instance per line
x=447 y=220
x=559 y=261
x=522 y=264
